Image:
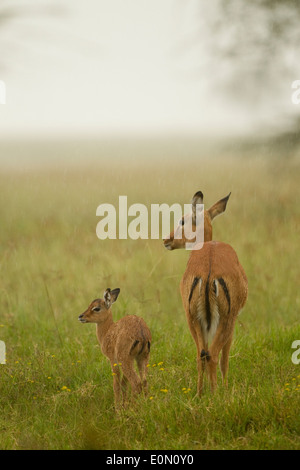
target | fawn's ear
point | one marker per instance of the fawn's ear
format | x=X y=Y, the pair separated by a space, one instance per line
x=114 y=294
x=107 y=298
x=110 y=296
x=218 y=207
x=197 y=199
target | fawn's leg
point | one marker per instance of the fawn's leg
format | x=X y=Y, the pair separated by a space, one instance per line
x=142 y=367
x=131 y=375
x=116 y=384
x=124 y=385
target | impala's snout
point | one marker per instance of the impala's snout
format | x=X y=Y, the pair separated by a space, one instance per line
x=168 y=241
x=168 y=244
x=81 y=318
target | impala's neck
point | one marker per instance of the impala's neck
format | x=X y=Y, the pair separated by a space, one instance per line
x=103 y=327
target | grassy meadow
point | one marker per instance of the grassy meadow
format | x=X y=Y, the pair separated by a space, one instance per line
x=56 y=386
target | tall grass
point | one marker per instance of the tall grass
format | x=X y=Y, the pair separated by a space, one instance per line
x=56 y=387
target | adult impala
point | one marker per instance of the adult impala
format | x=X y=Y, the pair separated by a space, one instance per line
x=214 y=289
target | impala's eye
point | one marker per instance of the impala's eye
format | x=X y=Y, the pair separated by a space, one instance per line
x=96 y=309
x=181 y=222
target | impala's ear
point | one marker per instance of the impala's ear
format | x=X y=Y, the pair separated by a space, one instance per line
x=107 y=298
x=218 y=207
x=110 y=296
x=197 y=199
x=114 y=294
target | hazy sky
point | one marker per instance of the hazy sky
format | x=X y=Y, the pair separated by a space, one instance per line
x=109 y=65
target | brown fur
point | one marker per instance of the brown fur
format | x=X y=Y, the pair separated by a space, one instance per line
x=123 y=342
x=214 y=289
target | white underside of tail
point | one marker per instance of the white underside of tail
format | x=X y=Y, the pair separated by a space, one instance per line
x=201 y=315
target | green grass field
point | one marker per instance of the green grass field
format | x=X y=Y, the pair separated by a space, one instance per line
x=56 y=386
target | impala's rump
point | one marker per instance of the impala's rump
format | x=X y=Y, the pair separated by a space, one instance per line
x=139 y=347
x=204 y=306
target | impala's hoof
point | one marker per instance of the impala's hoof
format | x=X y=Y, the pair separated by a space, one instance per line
x=205 y=355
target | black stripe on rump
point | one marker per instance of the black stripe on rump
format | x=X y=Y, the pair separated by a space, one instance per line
x=207 y=305
x=142 y=348
x=134 y=345
x=226 y=291
x=195 y=282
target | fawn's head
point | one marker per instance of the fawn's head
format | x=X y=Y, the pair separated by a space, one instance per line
x=97 y=311
x=173 y=242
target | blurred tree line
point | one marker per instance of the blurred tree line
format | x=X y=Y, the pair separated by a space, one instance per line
x=250 y=49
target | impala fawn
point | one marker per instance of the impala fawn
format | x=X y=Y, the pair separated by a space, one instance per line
x=214 y=289
x=123 y=342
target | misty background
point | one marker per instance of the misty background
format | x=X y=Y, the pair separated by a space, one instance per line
x=95 y=69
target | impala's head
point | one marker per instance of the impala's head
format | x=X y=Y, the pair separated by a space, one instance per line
x=98 y=309
x=172 y=242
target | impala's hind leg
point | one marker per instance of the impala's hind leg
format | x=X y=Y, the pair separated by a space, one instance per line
x=196 y=331
x=131 y=375
x=142 y=362
x=224 y=362
x=124 y=386
x=222 y=336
